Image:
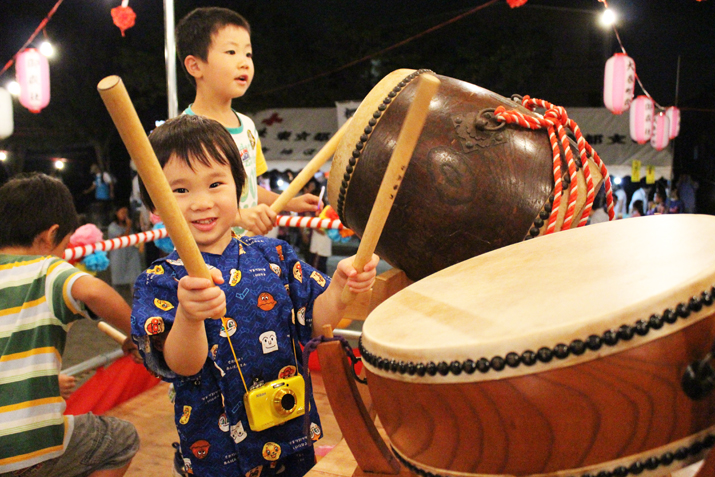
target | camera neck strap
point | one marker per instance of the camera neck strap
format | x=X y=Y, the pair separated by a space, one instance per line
x=238 y=365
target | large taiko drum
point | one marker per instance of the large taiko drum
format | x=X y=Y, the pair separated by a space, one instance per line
x=473 y=185
x=573 y=354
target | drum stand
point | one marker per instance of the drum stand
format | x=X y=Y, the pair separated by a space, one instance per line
x=352 y=405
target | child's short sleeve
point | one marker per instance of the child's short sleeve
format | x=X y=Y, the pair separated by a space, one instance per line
x=305 y=284
x=60 y=279
x=153 y=313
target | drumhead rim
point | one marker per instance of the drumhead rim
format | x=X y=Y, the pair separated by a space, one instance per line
x=641 y=317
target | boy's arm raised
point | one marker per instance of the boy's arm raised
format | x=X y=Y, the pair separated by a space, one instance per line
x=103 y=300
x=329 y=306
x=186 y=347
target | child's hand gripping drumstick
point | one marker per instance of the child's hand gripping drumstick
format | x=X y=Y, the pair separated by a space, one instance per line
x=396 y=168
x=308 y=171
x=125 y=118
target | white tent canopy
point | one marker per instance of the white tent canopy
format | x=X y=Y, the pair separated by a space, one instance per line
x=291 y=137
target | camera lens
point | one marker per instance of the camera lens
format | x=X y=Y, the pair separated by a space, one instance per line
x=288 y=402
x=284 y=401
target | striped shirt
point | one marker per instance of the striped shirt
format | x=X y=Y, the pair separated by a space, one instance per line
x=36 y=307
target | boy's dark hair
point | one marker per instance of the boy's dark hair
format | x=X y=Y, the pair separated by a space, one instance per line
x=32 y=203
x=194 y=32
x=195 y=138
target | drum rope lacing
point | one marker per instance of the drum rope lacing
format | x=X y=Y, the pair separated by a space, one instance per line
x=556 y=121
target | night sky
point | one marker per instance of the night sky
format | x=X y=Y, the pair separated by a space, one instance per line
x=654 y=32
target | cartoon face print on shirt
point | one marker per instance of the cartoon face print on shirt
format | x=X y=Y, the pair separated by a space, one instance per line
x=154 y=325
x=157 y=270
x=187 y=466
x=235 y=277
x=163 y=305
x=287 y=372
x=315 y=431
x=223 y=422
x=238 y=434
x=298 y=272
x=276 y=269
x=228 y=327
x=301 y=316
x=200 y=449
x=266 y=302
x=269 y=342
x=186 y=415
x=318 y=278
x=271 y=451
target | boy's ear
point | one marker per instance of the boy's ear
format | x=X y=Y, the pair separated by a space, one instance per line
x=193 y=66
x=45 y=241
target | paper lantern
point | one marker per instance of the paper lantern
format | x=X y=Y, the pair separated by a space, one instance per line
x=673 y=114
x=619 y=83
x=33 y=74
x=6 y=121
x=641 y=120
x=661 y=130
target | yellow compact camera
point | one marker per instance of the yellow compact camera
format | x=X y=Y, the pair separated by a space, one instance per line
x=275 y=403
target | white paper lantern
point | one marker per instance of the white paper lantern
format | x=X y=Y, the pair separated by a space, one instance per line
x=6 y=121
x=619 y=83
x=641 y=119
x=33 y=74
x=673 y=114
x=661 y=130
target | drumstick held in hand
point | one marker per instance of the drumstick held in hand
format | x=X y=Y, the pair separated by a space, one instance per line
x=112 y=332
x=308 y=171
x=406 y=141
x=125 y=118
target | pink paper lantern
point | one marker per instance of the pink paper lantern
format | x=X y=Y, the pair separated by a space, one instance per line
x=6 y=120
x=33 y=75
x=619 y=83
x=673 y=115
x=661 y=130
x=641 y=120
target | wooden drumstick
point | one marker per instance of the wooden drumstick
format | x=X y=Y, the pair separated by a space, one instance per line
x=325 y=153
x=125 y=118
x=112 y=332
x=406 y=141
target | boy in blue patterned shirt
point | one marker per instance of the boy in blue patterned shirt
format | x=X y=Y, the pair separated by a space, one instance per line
x=273 y=303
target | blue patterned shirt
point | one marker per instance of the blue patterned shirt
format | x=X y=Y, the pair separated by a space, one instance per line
x=269 y=305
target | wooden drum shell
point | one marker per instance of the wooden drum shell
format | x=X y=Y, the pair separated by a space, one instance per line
x=561 y=356
x=458 y=198
x=621 y=406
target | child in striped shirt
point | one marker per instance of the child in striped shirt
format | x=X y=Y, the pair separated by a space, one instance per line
x=40 y=295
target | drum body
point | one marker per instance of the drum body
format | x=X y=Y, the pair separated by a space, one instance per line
x=560 y=356
x=472 y=185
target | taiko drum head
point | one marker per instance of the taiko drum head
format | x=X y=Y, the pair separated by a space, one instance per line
x=562 y=355
x=473 y=185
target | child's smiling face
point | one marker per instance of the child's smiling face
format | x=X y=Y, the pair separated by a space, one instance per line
x=207 y=199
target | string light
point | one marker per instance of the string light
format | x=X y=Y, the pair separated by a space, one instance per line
x=3 y=155
x=13 y=88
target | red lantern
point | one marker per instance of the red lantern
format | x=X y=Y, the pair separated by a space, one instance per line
x=123 y=16
x=673 y=114
x=661 y=129
x=33 y=74
x=619 y=83
x=641 y=120
x=515 y=3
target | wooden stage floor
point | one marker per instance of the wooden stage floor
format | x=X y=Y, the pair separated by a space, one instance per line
x=152 y=414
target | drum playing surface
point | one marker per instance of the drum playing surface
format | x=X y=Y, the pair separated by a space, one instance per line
x=563 y=355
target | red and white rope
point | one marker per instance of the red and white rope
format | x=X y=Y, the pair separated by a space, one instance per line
x=78 y=252
x=308 y=222
x=75 y=253
x=556 y=121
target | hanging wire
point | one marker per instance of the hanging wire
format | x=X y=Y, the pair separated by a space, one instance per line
x=384 y=50
x=623 y=49
x=40 y=28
